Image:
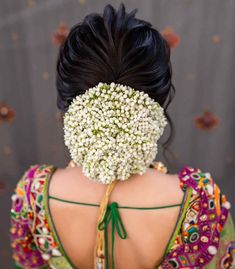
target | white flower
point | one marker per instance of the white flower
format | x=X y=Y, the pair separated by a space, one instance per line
x=112 y=131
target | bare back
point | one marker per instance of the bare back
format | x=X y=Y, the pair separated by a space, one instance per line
x=148 y=232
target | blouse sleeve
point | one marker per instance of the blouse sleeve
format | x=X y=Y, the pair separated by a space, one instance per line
x=24 y=250
x=225 y=256
x=219 y=251
x=226 y=251
x=205 y=238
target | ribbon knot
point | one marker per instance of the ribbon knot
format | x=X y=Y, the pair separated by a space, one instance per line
x=112 y=214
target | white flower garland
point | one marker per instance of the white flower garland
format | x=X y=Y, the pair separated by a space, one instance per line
x=112 y=131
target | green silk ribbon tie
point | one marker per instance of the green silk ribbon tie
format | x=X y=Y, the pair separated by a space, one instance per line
x=112 y=214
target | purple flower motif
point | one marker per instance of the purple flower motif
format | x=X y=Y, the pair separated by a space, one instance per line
x=18 y=204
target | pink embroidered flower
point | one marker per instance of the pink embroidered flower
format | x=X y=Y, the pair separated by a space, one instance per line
x=60 y=35
x=171 y=37
x=207 y=121
x=216 y=39
x=6 y=113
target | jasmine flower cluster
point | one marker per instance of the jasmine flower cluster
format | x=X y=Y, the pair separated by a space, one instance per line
x=112 y=131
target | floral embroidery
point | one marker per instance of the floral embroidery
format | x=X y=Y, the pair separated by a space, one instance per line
x=25 y=252
x=32 y=241
x=198 y=239
x=40 y=227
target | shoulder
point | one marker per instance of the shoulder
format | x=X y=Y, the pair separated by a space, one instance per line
x=168 y=185
x=206 y=201
x=205 y=186
x=203 y=217
x=33 y=172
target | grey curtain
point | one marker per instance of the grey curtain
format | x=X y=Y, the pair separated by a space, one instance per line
x=202 y=34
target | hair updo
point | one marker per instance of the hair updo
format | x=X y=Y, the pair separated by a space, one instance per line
x=115 y=47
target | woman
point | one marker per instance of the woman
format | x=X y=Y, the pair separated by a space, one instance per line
x=113 y=206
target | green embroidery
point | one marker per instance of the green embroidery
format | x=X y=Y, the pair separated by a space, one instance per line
x=17 y=266
x=59 y=263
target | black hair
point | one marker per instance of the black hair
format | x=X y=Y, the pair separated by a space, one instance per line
x=115 y=47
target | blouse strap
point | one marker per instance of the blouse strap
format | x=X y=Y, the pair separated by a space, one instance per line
x=101 y=248
x=112 y=214
x=118 y=206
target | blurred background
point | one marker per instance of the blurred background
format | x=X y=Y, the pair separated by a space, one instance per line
x=201 y=34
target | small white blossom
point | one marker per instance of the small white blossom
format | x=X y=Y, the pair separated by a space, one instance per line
x=112 y=131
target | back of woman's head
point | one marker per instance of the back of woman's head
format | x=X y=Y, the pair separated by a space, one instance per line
x=114 y=47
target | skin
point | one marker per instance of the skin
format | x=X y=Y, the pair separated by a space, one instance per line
x=148 y=232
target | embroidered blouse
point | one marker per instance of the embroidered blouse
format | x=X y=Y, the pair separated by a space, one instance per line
x=203 y=236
